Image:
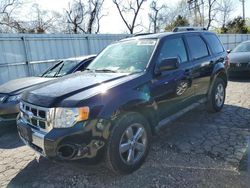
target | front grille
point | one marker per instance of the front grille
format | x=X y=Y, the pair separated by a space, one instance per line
x=239 y=65
x=35 y=116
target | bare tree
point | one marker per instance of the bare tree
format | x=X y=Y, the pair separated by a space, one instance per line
x=205 y=12
x=156 y=17
x=41 y=21
x=95 y=7
x=225 y=8
x=99 y=15
x=171 y=14
x=212 y=10
x=85 y=16
x=130 y=7
x=7 y=8
x=75 y=15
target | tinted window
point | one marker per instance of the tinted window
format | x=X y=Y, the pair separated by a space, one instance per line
x=243 y=47
x=173 y=48
x=84 y=65
x=214 y=43
x=197 y=47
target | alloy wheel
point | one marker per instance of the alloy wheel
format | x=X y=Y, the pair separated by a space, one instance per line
x=133 y=144
x=219 y=95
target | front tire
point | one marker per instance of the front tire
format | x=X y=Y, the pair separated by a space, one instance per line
x=217 y=98
x=128 y=144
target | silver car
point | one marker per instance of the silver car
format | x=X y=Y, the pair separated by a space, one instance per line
x=240 y=59
x=10 y=92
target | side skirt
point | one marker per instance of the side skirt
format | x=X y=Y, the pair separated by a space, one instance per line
x=163 y=123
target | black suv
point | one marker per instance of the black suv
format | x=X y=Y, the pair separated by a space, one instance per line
x=132 y=89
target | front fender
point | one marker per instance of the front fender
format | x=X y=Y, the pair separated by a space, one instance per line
x=133 y=100
x=124 y=101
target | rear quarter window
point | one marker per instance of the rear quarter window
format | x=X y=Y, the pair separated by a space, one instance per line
x=214 y=43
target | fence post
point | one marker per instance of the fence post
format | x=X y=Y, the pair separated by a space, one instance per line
x=88 y=45
x=26 y=55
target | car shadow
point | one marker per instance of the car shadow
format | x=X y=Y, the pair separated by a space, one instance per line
x=9 y=137
x=245 y=77
x=67 y=174
x=196 y=133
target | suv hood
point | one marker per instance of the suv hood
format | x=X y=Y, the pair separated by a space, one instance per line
x=19 y=85
x=51 y=94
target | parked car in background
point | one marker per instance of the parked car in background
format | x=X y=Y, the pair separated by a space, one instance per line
x=240 y=59
x=10 y=92
x=132 y=89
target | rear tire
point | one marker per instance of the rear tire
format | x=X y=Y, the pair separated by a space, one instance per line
x=217 y=98
x=128 y=143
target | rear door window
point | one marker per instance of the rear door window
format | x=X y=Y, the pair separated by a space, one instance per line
x=214 y=43
x=197 y=46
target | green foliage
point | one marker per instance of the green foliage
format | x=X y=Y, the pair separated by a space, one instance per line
x=179 y=21
x=237 y=25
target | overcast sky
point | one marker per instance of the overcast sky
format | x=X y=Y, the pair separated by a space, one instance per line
x=113 y=23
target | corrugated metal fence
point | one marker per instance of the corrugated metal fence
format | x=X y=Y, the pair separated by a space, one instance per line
x=230 y=41
x=24 y=54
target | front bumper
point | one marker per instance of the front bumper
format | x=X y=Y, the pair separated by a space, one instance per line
x=239 y=67
x=83 y=140
x=8 y=113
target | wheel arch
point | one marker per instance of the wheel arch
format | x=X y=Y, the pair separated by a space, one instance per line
x=218 y=72
x=144 y=107
x=148 y=113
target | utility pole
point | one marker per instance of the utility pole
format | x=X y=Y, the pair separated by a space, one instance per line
x=195 y=5
x=243 y=7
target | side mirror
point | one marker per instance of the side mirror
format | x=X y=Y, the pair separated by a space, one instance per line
x=229 y=51
x=168 y=64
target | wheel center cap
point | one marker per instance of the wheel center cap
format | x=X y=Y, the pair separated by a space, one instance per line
x=132 y=143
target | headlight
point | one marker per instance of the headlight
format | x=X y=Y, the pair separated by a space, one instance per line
x=2 y=98
x=14 y=98
x=67 y=117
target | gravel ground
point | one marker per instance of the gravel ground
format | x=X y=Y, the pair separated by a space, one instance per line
x=197 y=150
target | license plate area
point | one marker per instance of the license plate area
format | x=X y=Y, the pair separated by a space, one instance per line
x=26 y=133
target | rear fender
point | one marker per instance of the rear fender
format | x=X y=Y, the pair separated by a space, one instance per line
x=218 y=71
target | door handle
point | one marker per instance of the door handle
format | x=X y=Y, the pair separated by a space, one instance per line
x=212 y=62
x=188 y=71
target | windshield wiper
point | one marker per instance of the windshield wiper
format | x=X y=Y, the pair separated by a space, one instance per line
x=105 y=70
x=55 y=75
x=87 y=69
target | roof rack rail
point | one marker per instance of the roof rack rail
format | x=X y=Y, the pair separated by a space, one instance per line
x=179 y=29
x=141 y=34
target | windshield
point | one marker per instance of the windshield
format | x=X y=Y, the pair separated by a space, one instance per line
x=124 y=57
x=243 y=47
x=61 y=69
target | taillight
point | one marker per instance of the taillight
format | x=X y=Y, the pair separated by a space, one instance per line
x=227 y=62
